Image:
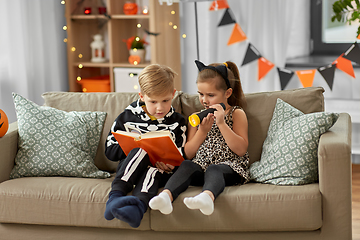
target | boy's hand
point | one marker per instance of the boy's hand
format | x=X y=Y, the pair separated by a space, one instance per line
x=164 y=167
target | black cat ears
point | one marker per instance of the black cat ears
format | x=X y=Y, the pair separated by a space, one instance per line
x=221 y=69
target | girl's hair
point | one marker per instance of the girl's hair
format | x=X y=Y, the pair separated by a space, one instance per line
x=237 y=97
x=156 y=79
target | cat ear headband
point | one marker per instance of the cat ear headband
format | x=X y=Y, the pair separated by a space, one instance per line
x=221 y=69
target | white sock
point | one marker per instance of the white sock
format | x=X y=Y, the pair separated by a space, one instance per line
x=161 y=202
x=202 y=201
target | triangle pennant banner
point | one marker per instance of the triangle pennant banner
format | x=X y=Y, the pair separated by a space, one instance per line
x=306 y=77
x=344 y=65
x=353 y=53
x=264 y=67
x=237 y=35
x=251 y=54
x=285 y=75
x=227 y=18
x=328 y=74
x=216 y=5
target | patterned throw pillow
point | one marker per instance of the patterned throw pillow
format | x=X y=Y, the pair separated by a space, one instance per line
x=289 y=154
x=56 y=143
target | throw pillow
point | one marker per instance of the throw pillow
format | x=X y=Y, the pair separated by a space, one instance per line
x=53 y=142
x=289 y=154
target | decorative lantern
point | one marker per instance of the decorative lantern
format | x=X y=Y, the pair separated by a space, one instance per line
x=4 y=123
x=97 y=49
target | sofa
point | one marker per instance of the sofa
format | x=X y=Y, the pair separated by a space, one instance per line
x=73 y=207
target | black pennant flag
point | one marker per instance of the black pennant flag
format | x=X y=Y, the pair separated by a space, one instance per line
x=328 y=74
x=285 y=75
x=227 y=18
x=251 y=54
x=353 y=53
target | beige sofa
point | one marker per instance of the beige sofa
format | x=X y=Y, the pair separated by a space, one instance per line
x=72 y=208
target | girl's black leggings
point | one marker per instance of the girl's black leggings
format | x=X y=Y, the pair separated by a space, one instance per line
x=214 y=179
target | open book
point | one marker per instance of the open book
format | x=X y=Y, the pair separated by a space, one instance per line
x=158 y=144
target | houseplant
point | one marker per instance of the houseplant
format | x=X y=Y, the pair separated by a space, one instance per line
x=347 y=11
x=136 y=47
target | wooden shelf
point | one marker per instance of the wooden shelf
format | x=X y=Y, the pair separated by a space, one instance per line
x=115 y=27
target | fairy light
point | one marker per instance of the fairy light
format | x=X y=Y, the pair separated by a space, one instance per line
x=84 y=90
x=78 y=78
x=138 y=25
x=184 y=35
x=65 y=27
x=80 y=65
x=65 y=40
x=170 y=23
x=135 y=87
x=172 y=12
x=175 y=27
x=62 y=2
x=73 y=49
x=80 y=55
x=136 y=63
x=131 y=75
x=134 y=49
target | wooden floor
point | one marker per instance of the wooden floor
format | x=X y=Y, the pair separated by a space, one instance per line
x=356 y=201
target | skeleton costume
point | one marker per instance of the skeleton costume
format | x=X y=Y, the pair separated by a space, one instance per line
x=135 y=169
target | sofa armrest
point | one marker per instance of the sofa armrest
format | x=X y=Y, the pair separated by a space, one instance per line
x=335 y=178
x=8 y=150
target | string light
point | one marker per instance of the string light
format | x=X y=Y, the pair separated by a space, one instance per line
x=172 y=12
x=138 y=25
x=131 y=75
x=62 y=2
x=80 y=65
x=78 y=78
x=184 y=35
x=65 y=27
x=136 y=63
x=135 y=87
x=65 y=40
x=73 y=49
x=170 y=23
x=84 y=90
x=80 y=55
x=175 y=27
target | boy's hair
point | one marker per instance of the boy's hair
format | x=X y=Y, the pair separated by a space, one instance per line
x=237 y=97
x=156 y=79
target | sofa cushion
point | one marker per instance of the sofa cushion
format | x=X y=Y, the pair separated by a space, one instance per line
x=260 y=108
x=111 y=103
x=59 y=201
x=56 y=143
x=250 y=207
x=289 y=155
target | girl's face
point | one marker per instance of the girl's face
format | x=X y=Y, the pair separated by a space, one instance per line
x=157 y=106
x=210 y=95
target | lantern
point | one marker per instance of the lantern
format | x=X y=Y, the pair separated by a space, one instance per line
x=97 y=49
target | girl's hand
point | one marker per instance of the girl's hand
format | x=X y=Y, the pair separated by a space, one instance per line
x=206 y=123
x=219 y=114
x=164 y=167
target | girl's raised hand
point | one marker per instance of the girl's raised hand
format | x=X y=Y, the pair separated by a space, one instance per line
x=219 y=113
x=207 y=123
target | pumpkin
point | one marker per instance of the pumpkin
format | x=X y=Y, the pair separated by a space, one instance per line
x=4 y=123
x=134 y=59
x=130 y=8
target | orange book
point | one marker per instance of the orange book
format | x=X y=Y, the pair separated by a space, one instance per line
x=158 y=144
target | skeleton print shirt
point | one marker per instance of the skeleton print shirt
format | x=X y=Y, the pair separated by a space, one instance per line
x=134 y=116
x=214 y=150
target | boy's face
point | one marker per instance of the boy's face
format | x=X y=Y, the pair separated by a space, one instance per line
x=158 y=105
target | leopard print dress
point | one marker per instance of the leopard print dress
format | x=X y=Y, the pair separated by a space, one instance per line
x=214 y=150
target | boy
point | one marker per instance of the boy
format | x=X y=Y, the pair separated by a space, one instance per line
x=152 y=112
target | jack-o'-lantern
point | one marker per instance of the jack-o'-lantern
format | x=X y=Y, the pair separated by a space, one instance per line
x=130 y=8
x=134 y=59
x=4 y=123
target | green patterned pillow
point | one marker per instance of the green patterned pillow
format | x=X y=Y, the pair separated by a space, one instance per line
x=53 y=142
x=289 y=154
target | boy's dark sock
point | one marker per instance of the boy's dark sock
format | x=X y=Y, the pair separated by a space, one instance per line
x=113 y=202
x=131 y=211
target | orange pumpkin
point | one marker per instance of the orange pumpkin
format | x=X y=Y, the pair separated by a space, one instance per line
x=4 y=123
x=134 y=59
x=130 y=8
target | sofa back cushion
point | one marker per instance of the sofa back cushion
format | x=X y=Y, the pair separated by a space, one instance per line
x=260 y=107
x=112 y=103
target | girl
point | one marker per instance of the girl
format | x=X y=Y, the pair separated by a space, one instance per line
x=217 y=147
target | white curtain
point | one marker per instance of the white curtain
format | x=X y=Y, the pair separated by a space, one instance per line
x=278 y=29
x=32 y=51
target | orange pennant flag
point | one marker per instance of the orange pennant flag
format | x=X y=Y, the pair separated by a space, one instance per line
x=306 y=77
x=264 y=67
x=237 y=35
x=345 y=65
x=220 y=4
